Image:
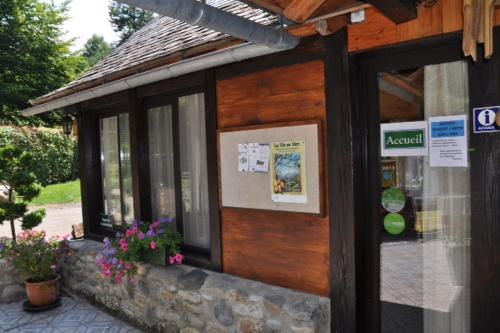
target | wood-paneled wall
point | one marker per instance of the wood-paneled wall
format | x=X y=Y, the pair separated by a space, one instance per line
x=444 y=17
x=286 y=249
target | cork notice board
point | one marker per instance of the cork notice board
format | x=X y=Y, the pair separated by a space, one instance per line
x=254 y=190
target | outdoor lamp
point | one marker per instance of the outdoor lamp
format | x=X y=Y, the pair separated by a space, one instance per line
x=67 y=124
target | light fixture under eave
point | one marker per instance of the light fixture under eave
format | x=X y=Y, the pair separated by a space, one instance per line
x=67 y=124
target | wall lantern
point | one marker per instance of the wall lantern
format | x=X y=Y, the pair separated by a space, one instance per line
x=67 y=124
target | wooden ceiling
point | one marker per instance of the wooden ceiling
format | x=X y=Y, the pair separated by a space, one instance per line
x=301 y=10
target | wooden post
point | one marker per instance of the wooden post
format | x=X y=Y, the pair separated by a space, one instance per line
x=341 y=189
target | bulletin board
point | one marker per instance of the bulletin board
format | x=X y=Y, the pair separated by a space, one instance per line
x=254 y=190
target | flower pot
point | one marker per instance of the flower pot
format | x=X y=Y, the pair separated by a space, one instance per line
x=43 y=293
x=155 y=257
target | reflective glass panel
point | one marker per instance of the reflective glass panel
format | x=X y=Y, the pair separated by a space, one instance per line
x=425 y=210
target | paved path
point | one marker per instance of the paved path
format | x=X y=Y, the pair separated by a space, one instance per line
x=57 y=222
x=74 y=316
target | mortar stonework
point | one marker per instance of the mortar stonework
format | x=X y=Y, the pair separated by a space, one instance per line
x=191 y=300
x=11 y=284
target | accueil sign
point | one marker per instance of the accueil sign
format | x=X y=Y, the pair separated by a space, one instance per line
x=404 y=139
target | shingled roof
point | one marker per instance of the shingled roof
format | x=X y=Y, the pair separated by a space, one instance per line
x=162 y=37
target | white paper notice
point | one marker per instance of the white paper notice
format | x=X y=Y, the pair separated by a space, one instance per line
x=242 y=157
x=448 y=141
x=258 y=157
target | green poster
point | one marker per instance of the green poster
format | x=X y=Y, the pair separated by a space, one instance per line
x=394 y=223
x=393 y=200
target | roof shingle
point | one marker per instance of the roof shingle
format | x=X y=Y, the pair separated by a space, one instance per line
x=162 y=37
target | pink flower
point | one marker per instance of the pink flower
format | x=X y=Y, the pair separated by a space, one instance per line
x=119 y=279
x=172 y=260
x=123 y=245
x=179 y=258
x=128 y=265
x=152 y=245
x=141 y=235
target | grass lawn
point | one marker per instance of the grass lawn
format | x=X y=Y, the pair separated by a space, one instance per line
x=59 y=194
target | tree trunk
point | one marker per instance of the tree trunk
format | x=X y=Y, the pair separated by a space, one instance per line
x=13 y=229
x=12 y=226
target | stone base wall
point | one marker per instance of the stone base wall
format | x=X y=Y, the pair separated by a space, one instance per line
x=11 y=284
x=190 y=300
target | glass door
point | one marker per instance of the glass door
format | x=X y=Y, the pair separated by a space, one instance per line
x=424 y=192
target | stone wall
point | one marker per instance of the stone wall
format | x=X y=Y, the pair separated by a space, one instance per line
x=190 y=300
x=11 y=284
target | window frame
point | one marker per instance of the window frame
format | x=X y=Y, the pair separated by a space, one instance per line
x=112 y=112
x=208 y=258
x=133 y=102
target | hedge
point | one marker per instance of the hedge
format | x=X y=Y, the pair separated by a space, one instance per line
x=52 y=149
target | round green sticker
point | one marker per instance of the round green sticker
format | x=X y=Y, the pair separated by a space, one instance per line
x=393 y=200
x=394 y=223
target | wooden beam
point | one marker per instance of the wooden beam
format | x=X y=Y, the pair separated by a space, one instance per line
x=301 y=10
x=398 y=11
x=342 y=156
x=332 y=25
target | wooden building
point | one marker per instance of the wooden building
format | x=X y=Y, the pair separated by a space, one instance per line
x=155 y=149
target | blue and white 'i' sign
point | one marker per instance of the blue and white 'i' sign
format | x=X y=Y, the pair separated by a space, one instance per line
x=485 y=119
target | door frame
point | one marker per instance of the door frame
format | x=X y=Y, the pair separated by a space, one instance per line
x=484 y=89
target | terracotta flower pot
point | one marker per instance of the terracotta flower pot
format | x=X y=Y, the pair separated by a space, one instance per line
x=43 y=293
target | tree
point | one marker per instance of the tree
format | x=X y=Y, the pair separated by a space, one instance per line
x=34 y=58
x=20 y=184
x=127 y=19
x=95 y=49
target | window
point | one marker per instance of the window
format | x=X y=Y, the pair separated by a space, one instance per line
x=118 y=200
x=178 y=166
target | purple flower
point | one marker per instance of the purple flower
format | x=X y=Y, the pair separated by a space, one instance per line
x=2 y=247
x=119 y=234
x=166 y=220
x=114 y=261
x=160 y=232
x=150 y=233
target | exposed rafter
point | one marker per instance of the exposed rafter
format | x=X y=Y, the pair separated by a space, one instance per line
x=398 y=11
x=301 y=10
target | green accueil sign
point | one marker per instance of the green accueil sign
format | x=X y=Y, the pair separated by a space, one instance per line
x=404 y=139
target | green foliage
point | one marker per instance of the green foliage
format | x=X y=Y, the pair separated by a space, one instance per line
x=34 y=59
x=50 y=148
x=127 y=19
x=59 y=194
x=32 y=219
x=19 y=183
x=95 y=49
x=34 y=257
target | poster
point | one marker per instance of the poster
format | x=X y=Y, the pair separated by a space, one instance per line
x=394 y=223
x=253 y=157
x=242 y=157
x=288 y=174
x=389 y=173
x=258 y=157
x=486 y=119
x=404 y=139
x=448 y=141
x=393 y=200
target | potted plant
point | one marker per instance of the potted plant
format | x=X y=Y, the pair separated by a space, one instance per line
x=140 y=242
x=37 y=260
